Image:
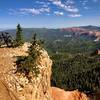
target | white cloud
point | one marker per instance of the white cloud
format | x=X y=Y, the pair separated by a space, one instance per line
x=34 y=11
x=40 y=2
x=67 y=6
x=86 y=8
x=75 y=15
x=27 y=11
x=84 y=2
x=58 y=13
x=43 y=4
x=71 y=9
x=69 y=2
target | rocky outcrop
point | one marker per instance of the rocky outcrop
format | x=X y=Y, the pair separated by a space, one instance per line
x=59 y=94
x=38 y=88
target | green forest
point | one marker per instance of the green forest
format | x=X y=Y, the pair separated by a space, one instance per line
x=78 y=72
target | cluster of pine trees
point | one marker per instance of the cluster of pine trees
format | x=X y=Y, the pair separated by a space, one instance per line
x=25 y=64
x=78 y=72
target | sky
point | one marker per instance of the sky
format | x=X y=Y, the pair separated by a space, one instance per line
x=49 y=13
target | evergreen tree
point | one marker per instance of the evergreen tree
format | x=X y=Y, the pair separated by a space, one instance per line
x=19 y=36
x=28 y=64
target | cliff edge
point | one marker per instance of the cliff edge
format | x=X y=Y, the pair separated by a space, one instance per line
x=36 y=89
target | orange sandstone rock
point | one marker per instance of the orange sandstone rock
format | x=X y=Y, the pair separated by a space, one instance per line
x=59 y=94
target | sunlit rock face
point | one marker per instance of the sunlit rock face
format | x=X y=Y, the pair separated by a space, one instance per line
x=59 y=94
x=5 y=93
x=36 y=89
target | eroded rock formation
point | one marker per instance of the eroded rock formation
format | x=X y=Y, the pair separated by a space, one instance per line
x=59 y=94
x=16 y=86
x=36 y=89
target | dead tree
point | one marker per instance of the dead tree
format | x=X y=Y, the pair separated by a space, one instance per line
x=6 y=39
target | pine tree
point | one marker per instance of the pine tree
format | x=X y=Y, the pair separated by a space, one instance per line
x=29 y=64
x=36 y=46
x=19 y=36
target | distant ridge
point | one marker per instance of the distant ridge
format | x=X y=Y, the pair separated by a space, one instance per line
x=85 y=30
x=91 y=27
x=45 y=33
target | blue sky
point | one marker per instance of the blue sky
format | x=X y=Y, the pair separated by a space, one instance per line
x=49 y=13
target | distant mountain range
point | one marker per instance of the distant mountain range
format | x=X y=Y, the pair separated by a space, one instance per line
x=85 y=30
x=73 y=40
x=90 y=27
x=92 y=32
